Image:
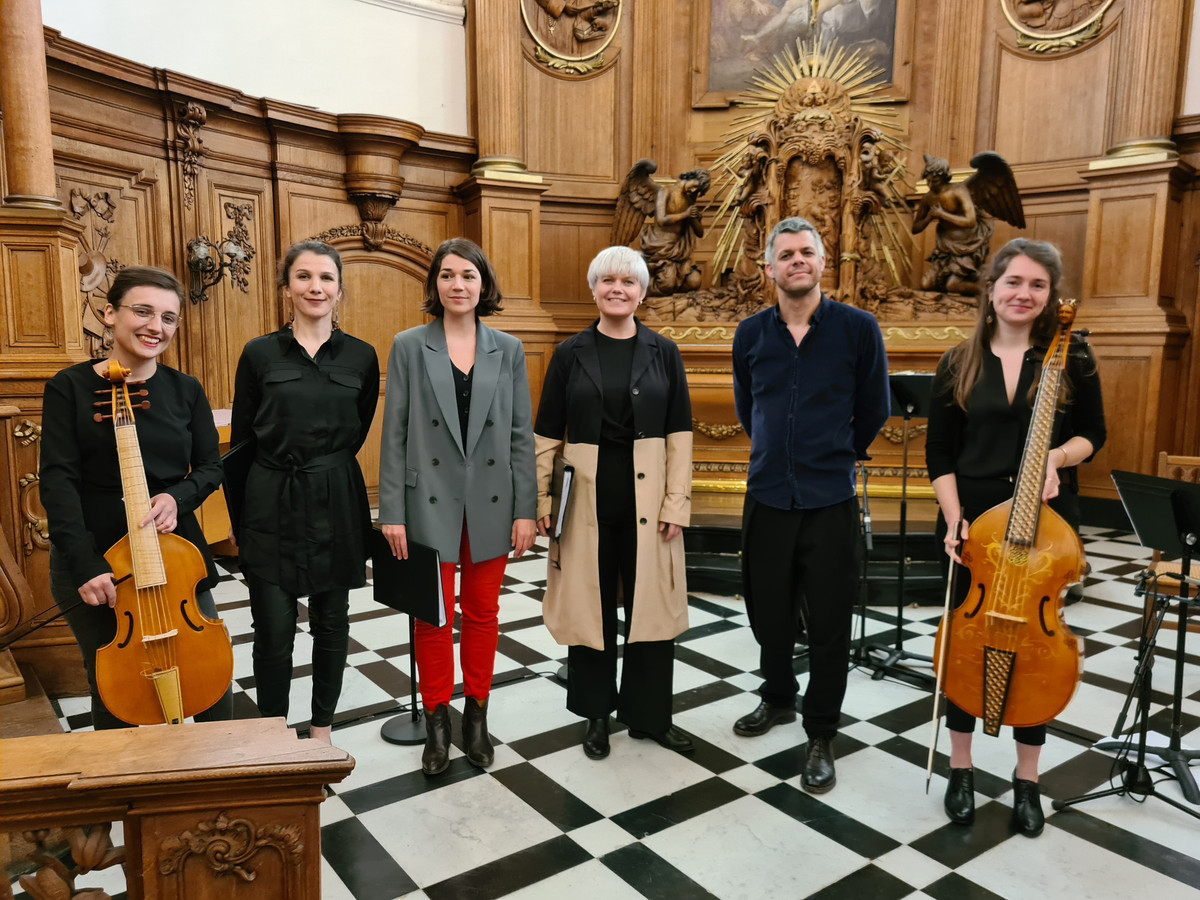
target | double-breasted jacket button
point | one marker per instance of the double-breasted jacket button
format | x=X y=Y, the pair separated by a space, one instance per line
x=489 y=423
x=435 y=462
x=495 y=499
x=434 y=500
x=491 y=462
x=641 y=475
x=435 y=423
x=641 y=434
x=636 y=391
x=642 y=520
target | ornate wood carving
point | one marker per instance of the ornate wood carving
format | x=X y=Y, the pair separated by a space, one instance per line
x=1048 y=27
x=96 y=269
x=571 y=35
x=91 y=848
x=373 y=235
x=35 y=533
x=716 y=432
x=191 y=118
x=239 y=269
x=229 y=845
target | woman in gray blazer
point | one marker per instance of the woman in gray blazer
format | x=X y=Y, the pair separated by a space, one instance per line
x=457 y=473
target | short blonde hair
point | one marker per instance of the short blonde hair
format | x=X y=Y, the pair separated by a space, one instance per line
x=618 y=261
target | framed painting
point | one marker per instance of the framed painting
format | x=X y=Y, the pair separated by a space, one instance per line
x=732 y=38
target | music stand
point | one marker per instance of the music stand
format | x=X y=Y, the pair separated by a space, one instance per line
x=1166 y=517
x=911 y=394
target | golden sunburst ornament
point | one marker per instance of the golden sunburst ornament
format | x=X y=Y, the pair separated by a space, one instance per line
x=812 y=103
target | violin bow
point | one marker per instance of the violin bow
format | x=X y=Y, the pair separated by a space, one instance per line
x=941 y=667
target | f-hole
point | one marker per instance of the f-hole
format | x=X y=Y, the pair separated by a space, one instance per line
x=129 y=630
x=982 y=593
x=183 y=611
x=1042 y=616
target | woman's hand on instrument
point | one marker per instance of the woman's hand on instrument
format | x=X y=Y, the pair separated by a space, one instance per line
x=99 y=591
x=670 y=530
x=164 y=513
x=397 y=538
x=523 y=533
x=1050 y=490
x=543 y=526
x=953 y=540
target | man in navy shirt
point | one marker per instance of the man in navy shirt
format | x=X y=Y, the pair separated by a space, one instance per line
x=811 y=389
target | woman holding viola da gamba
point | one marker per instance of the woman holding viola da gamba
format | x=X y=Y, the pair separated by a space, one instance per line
x=979 y=418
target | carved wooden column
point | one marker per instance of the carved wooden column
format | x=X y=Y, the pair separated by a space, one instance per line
x=956 y=80
x=25 y=99
x=494 y=35
x=1144 y=102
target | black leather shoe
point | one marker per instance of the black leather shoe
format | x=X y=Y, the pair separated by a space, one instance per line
x=672 y=739
x=475 y=734
x=763 y=719
x=436 y=756
x=819 y=775
x=1027 y=814
x=960 y=796
x=595 y=742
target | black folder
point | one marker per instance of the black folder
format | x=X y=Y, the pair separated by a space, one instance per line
x=413 y=585
x=560 y=495
x=235 y=469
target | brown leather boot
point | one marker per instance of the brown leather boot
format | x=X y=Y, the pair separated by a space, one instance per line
x=475 y=733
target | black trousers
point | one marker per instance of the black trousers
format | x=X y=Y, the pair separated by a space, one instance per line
x=643 y=701
x=275 y=613
x=977 y=496
x=96 y=626
x=795 y=562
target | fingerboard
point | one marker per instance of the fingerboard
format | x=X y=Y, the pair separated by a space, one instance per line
x=148 y=569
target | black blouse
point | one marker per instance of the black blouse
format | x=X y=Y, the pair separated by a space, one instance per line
x=305 y=516
x=80 y=484
x=987 y=440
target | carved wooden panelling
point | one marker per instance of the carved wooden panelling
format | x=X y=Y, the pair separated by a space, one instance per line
x=511 y=230
x=1120 y=235
x=572 y=125
x=29 y=276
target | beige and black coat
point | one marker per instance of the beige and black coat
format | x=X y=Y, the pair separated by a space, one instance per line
x=568 y=423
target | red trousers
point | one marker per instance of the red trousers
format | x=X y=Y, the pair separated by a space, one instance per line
x=479 y=600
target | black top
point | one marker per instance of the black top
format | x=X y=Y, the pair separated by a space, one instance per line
x=986 y=440
x=811 y=410
x=305 y=520
x=462 y=396
x=80 y=484
x=614 y=463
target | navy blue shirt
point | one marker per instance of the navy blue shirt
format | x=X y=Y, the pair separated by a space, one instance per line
x=811 y=411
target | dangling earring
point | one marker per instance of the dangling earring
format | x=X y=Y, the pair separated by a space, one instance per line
x=990 y=318
x=335 y=316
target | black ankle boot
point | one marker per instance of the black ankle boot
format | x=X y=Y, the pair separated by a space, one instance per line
x=960 y=796
x=436 y=757
x=475 y=734
x=595 y=739
x=1027 y=815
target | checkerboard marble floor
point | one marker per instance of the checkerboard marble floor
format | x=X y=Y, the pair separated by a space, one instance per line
x=730 y=821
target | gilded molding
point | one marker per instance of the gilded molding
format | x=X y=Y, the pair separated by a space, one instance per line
x=569 y=66
x=895 y=433
x=192 y=117
x=696 y=333
x=727 y=467
x=716 y=432
x=949 y=334
x=229 y=845
x=708 y=370
x=35 y=532
x=571 y=38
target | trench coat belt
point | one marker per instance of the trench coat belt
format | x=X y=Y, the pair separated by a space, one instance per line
x=292 y=497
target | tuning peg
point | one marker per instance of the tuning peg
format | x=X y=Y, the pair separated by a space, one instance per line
x=100 y=417
x=145 y=404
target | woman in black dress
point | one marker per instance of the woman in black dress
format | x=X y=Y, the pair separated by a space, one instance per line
x=80 y=483
x=306 y=396
x=982 y=403
x=615 y=405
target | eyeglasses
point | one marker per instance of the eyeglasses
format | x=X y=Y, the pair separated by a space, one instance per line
x=146 y=313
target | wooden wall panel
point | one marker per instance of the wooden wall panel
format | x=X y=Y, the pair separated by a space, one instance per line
x=1118 y=233
x=571 y=125
x=1040 y=113
x=32 y=327
x=1130 y=383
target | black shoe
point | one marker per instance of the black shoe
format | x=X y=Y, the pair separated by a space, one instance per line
x=595 y=741
x=475 y=734
x=763 y=719
x=436 y=756
x=672 y=739
x=1027 y=814
x=960 y=796
x=819 y=775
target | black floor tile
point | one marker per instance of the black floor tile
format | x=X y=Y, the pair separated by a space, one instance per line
x=651 y=875
x=504 y=876
x=1166 y=860
x=869 y=881
x=954 y=845
x=826 y=820
x=652 y=817
x=361 y=862
x=955 y=887
x=546 y=796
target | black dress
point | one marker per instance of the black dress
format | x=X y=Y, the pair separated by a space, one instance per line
x=305 y=520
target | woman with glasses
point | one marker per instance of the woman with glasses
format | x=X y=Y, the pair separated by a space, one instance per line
x=305 y=395
x=80 y=483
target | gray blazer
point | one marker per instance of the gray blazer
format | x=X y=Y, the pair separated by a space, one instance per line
x=428 y=481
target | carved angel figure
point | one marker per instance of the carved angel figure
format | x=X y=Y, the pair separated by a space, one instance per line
x=590 y=22
x=668 y=238
x=963 y=214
